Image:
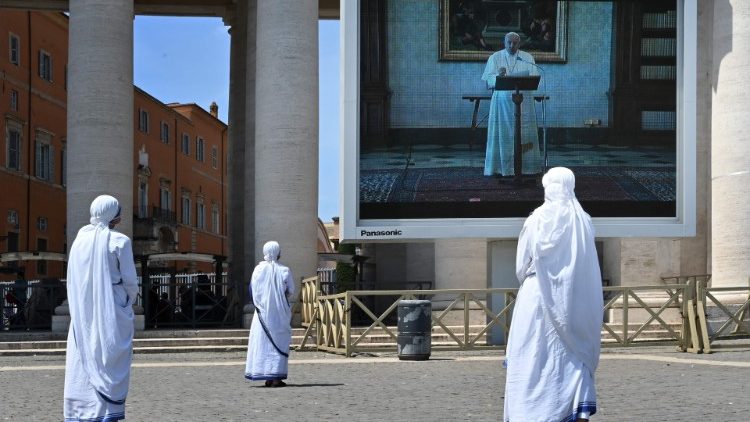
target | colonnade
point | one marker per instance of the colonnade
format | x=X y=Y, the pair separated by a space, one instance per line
x=273 y=124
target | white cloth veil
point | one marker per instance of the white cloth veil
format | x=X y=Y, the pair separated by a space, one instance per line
x=102 y=329
x=567 y=266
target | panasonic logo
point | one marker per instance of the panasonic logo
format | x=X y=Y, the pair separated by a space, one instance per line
x=368 y=233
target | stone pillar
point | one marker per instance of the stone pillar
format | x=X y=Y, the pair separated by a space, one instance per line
x=251 y=258
x=501 y=274
x=286 y=131
x=730 y=145
x=100 y=109
x=695 y=253
x=461 y=264
x=641 y=261
x=239 y=268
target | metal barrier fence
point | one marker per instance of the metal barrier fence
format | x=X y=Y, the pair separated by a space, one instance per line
x=711 y=310
x=189 y=301
x=29 y=305
x=327 y=280
x=183 y=300
x=329 y=317
x=620 y=301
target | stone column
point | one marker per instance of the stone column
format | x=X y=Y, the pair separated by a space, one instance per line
x=461 y=264
x=238 y=269
x=501 y=274
x=100 y=109
x=248 y=172
x=730 y=144
x=286 y=131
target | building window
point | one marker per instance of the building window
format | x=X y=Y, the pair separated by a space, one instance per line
x=45 y=163
x=13 y=217
x=13 y=148
x=165 y=199
x=15 y=50
x=143 y=120
x=186 y=210
x=41 y=224
x=142 y=200
x=41 y=265
x=164 y=135
x=185 y=147
x=199 y=149
x=215 y=218
x=214 y=157
x=45 y=66
x=13 y=100
x=200 y=214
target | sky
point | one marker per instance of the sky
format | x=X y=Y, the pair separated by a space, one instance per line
x=186 y=60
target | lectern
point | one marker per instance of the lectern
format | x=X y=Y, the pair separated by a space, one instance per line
x=517 y=84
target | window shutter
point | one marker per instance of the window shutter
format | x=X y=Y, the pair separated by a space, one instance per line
x=51 y=161
x=41 y=65
x=19 y=167
x=38 y=148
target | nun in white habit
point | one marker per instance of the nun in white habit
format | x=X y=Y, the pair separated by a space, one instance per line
x=102 y=285
x=271 y=287
x=555 y=334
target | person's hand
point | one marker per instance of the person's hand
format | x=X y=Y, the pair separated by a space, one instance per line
x=503 y=71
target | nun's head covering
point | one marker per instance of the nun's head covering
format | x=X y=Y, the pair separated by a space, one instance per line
x=271 y=251
x=559 y=184
x=104 y=209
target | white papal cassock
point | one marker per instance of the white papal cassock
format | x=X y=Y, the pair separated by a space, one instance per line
x=555 y=334
x=501 y=118
x=271 y=286
x=102 y=285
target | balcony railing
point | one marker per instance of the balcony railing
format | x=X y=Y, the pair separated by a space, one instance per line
x=155 y=215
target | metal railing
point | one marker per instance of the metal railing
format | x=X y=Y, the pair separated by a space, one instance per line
x=156 y=214
x=180 y=300
x=733 y=323
x=327 y=280
x=29 y=305
x=189 y=300
x=330 y=317
x=620 y=300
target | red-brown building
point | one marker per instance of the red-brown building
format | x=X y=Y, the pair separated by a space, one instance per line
x=179 y=158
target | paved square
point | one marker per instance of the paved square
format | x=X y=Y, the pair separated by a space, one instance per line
x=635 y=384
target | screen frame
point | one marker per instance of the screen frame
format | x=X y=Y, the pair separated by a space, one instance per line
x=354 y=229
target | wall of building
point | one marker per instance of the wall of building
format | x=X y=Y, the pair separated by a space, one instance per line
x=42 y=114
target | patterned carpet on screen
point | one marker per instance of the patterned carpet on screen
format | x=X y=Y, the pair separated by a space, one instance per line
x=461 y=184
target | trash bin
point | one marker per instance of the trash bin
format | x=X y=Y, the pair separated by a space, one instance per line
x=414 y=329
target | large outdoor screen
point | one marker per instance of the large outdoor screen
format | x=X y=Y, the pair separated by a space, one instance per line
x=453 y=109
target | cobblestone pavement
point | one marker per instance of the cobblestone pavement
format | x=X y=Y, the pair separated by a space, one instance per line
x=634 y=384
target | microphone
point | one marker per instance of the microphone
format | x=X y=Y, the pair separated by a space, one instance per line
x=520 y=59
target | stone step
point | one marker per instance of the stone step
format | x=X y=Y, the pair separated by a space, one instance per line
x=145 y=343
x=175 y=341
